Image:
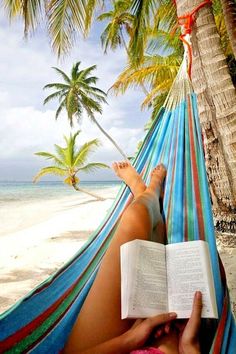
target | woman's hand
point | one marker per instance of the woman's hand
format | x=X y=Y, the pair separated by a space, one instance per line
x=189 y=331
x=139 y=333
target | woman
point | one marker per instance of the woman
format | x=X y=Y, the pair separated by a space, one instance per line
x=99 y=328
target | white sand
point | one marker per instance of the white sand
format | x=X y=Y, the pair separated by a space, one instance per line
x=29 y=256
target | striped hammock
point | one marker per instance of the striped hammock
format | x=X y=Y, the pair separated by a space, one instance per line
x=42 y=321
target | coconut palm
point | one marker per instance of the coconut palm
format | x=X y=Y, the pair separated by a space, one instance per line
x=70 y=160
x=120 y=20
x=78 y=93
x=211 y=80
x=216 y=101
x=217 y=108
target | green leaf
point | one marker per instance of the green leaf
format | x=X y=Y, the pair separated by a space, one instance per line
x=65 y=18
x=91 y=167
x=49 y=170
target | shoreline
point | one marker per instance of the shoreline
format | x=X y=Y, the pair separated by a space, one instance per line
x=46 y=245
x=24 y=213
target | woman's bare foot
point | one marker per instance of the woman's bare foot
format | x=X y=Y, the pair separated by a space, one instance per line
x=150 y=197
x=157 y=178
x=130 y=176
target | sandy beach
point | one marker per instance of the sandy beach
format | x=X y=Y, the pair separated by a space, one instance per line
x=45 y=246
x=50 y=238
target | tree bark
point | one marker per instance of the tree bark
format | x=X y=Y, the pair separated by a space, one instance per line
x=217 y=112
x=86 y=192
x=110 y=138
x=229 y=10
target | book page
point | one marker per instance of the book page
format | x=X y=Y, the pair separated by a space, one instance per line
x=189 y=270
x=148 y=289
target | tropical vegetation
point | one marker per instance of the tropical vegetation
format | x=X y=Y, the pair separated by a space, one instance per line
x=145 y=29
x=78 y=93
x=70 y=160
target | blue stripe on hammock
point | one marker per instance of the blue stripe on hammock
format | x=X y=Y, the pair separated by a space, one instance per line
x=159 y=146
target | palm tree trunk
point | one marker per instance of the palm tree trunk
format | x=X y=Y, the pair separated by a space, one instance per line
x=229 y=10
x=86 y=192
x=217 y=111
x=110 y=138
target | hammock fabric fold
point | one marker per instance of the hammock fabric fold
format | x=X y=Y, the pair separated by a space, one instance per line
x=41 y=321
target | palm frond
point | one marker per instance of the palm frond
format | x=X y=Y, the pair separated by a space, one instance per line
x=143 y=11
x=60 y=108
x=164 y=42
x=91 y=106
x=91 y=80
x=53 y=170
x=161 y=88
x=157 y=104
x=65 y=18
x=62 y=74
x=57 y=86
x=92 y=92
x=165 y=18
x=53 y=96
x=91 y=167
x=111 y=37
x=85 y=72
x=61 y=154
x=50 y=156
x=90 y=9
x=154 y=69
x=31 y=12
x=69 y=151
x=105 y=16
x=74 y=70
x=13 y=8
x=84 y=152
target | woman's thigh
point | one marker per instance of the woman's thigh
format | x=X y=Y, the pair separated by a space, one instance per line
x=100 y=316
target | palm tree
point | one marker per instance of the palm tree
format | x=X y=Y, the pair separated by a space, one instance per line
x=71 y=160
x=216 y=99
x=120 y=19
x=79 y=93
x=210 y=76
x=217 y=107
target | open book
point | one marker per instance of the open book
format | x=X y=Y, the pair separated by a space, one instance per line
x=157 y=278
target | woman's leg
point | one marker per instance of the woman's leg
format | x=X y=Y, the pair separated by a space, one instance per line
x=100 y=316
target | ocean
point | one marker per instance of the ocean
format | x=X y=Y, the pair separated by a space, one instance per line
x=11 y=192
x=23 y=204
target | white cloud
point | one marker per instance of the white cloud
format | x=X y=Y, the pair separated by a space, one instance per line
x=27 y=126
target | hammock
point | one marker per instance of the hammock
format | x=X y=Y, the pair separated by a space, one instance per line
x=42 y=321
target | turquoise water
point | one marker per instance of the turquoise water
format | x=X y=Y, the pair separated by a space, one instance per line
x=11 y=192
x=23 y=204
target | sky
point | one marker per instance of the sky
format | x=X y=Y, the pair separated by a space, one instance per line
x=27 y=126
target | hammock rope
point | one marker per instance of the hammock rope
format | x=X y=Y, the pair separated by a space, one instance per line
x=186 y=22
